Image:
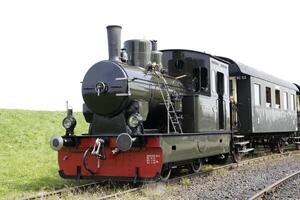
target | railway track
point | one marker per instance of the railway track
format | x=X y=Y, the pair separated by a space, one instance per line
x=271 y=188
x=84 y=187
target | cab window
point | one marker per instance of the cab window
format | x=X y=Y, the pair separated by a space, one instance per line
x=204 y=79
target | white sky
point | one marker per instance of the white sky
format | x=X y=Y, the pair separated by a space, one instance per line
x=47 y=46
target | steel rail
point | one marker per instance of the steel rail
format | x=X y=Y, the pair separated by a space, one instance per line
x=273 y=186
x=63 y=190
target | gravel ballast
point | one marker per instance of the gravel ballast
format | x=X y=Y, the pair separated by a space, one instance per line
x=288 y=190
x=239 y=183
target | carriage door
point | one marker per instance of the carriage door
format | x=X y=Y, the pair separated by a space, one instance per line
x=220 y=92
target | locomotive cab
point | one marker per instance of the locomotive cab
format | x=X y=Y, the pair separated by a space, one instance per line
x=205 y=105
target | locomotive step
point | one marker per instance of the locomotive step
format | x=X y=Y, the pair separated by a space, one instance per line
x=241 y=143
x=297 y=142
x=238 y=136
x=174 y=118
x=246 y=150
x=296 y=137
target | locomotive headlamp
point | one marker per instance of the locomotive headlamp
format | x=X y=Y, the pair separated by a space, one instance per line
x=69 y=122
x=134 y=120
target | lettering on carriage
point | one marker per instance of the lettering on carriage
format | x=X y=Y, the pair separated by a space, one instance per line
x=241 y=77
x=152 y=159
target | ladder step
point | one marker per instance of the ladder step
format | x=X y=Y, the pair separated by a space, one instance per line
x=297 y=142
x=246 y=150
x=296 y=138
x=238 y=136
x=241 y=143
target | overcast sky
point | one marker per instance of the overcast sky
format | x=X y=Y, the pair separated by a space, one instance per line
x=47 y=46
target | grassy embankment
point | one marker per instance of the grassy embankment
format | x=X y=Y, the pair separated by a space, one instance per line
x=27 y=163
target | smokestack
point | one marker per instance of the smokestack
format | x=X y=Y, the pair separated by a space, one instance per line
x=114 y=42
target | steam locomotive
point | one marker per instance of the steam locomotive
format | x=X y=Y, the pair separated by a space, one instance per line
x=152 y=111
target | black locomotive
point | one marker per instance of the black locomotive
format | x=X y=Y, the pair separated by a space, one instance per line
x=151 y=111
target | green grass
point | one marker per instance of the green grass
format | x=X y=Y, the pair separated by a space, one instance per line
x=27 y=163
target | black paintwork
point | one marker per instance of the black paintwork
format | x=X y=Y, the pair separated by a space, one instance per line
x=244 y=104
x=105 y=103
x=108 y=125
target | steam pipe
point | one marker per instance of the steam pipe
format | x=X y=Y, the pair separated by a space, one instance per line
x=114 y=42
x=154 y=45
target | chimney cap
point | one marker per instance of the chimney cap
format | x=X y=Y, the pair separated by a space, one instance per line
x=111 y=26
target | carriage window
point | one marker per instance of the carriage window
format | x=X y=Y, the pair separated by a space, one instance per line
x=257 y=95
x=204 y=79
x=268 y=97
x=285 y=101
x=277 y=98
x=292 y=102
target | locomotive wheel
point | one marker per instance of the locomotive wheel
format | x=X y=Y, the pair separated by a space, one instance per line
x=196 y=165
x=165 y=173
